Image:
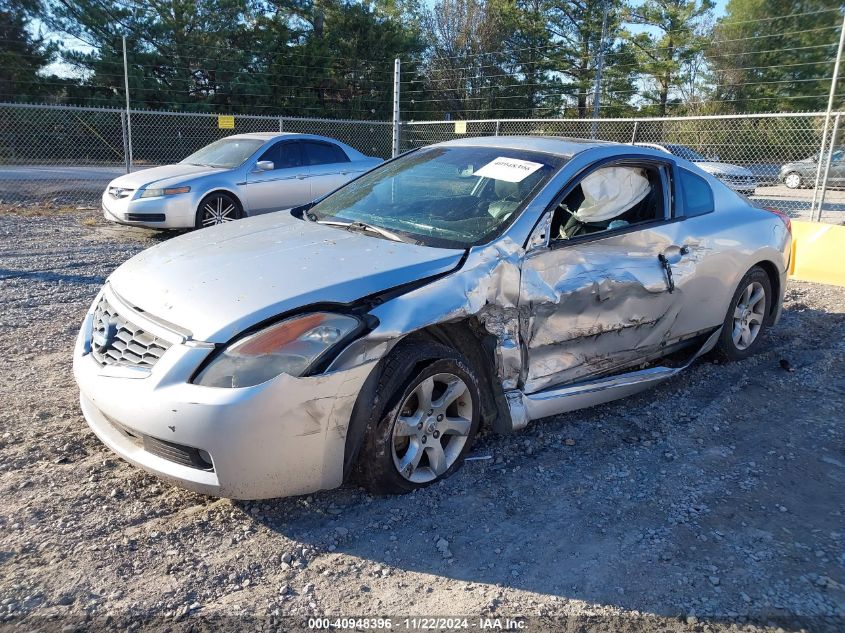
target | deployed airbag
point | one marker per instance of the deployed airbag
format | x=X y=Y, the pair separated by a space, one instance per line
x=611 y=191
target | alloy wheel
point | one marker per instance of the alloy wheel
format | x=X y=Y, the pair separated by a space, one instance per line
x=748 y=315
x=217 y=210
x=432 y=427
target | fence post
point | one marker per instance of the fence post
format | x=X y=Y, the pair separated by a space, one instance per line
x=830 y=98
x=123 y=130
x=281 y=124
x=634 y=133
x=818 y=215
x=128 y=112
x=396 y=68
x=497 y=127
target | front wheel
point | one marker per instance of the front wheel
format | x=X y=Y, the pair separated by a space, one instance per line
x=217 y=208
x=429 y=425
x=792 y=180
x=746 y=319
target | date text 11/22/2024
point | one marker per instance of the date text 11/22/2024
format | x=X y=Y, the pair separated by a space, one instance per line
x=419 y=623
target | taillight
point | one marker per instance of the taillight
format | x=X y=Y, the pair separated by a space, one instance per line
x=782 y=215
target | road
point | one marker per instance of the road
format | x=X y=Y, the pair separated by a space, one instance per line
x=711 y=503
x=56 y=184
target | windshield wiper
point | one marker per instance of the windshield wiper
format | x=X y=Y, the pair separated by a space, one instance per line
x=363 y=226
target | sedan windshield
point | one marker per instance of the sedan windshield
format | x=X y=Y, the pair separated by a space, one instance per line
x=685 y=152
x=442 y=196
x=227 y=152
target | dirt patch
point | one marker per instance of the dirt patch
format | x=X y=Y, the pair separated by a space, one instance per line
x=712 y=502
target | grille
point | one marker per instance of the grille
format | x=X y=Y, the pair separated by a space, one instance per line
x=119 y=193
x=145 y=217
x=117 y=341
x=177 y=453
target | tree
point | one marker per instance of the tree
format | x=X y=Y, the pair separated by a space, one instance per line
x=663 y=55
x=576 y=26
x=774 y=55
x=23 y=55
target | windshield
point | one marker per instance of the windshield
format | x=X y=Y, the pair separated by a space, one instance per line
x=227 y=152
x=443 y=196
x=685 y=153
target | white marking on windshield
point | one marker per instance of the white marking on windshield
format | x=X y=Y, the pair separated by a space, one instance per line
x=508 y=169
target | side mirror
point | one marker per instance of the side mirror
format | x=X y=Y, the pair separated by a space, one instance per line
x=265 y=165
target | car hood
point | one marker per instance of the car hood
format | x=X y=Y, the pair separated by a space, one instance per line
x=219 y=281
x=724 y=169
x=161 y=175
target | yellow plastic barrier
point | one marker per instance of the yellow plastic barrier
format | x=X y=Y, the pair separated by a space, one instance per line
x=818 y=253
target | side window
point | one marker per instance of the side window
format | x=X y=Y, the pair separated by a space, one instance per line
x=610 y=198
x=697 y=195
x=323 y=154
x=283 y=155
x=290 y=155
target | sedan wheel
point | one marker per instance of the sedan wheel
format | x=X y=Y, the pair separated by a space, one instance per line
x=420 y=420
x=792 y=180
x=749 y=315
x=217 y=209
x=432 y=428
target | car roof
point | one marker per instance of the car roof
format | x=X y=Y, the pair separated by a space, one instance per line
x=268 y=136
x=556 y=145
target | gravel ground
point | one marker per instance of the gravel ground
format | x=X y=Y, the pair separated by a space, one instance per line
x=713 y=502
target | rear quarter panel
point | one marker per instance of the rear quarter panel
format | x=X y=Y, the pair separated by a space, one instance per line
x=725 y=244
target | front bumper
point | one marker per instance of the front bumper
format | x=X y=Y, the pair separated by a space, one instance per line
x=284 y=437
x=166 y=212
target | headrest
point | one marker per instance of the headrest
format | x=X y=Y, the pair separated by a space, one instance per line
x=503 y=188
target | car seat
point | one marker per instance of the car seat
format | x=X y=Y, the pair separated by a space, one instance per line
x=508 y=198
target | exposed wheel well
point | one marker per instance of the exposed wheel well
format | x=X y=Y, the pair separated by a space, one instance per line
x=470 y=339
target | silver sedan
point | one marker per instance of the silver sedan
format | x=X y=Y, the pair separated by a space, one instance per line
x=238 y=176
x=478 y=283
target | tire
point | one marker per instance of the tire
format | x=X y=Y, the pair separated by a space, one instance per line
x=747 y=317
x=410 y=444
x=217 y=208
x=793 y=180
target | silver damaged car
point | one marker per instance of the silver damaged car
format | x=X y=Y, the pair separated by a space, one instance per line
x=482 y=282
x=238 y=176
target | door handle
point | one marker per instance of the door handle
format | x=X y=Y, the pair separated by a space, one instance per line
x=667 y=268
x=675 y=253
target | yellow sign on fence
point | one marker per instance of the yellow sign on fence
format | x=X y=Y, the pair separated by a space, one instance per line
x=460 y=127
x=226 y=122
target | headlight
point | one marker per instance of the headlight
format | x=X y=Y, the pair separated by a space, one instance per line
x=168 y=191
x=291 y=346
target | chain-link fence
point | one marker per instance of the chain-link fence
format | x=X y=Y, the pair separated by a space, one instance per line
x=67 y=155
x=773 y=158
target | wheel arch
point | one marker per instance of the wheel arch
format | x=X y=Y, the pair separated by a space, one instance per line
x=221 y=189
x=466 y=337
x=771 y=271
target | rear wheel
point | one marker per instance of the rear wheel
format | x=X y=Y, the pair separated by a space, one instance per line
x=431 y=419
x=217 y=208
x=746 y=319
x=792 y=180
